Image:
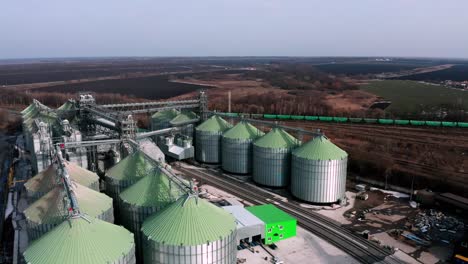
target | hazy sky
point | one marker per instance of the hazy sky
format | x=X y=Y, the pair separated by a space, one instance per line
x=46 y=28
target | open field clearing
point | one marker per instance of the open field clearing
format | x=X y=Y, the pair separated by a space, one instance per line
x=411 y=96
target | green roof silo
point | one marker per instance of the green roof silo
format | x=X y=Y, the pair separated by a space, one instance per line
x=161 y=119
x=236 y=147
x=67 y=110
x=190 y=229
x=125 y=173
x=147 y=196
x=44 y=181
x=183 y=119
x=79 y=240
x=208 y=139
x=51 y=209
x=27 y=109
x=272 y=158
x=319 y=171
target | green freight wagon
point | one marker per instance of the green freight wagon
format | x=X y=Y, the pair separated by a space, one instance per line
x=284 y=117
x=386 y=121
x=340 y=119
x=231 y=114
x=417 y=123
x=449 y=124
x=325 y=118
x=462 y=124
x=355 y=119
x=268 y=116
x=402 y=122
x=311 y=118
x=297 y=117
x=278 y=224
x=433 y=123
x=370 y=120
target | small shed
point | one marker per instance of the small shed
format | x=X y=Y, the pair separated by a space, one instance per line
x=249 y=227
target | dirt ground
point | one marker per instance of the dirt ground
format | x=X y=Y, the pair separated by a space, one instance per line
x=242 y=90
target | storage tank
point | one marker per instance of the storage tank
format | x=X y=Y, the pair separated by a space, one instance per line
x=149 y=195
x=125 y=173
x=191 y=230
x=43 y=182
x=51 y=209
x=161 y=119
x=236 y=147
x=319 y=171
x=183 y=119
x=272 y=158
x=208 y=139
x=79 y=240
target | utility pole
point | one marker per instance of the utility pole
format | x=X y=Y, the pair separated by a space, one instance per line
x=229 y=101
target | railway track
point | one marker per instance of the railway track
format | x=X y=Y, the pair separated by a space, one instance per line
x=426 y=136
x=359 y=248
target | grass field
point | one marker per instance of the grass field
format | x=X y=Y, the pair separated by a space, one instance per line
x=364 y=68
x=412 y=96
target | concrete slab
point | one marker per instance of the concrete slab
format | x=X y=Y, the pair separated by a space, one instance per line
x=337 y=214
x=304 y=248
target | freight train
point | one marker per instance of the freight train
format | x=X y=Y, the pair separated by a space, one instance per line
x=357 y=120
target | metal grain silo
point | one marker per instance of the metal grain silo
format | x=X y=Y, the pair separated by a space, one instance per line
x=236 y=147
x=44 y=181
x=125 y=173
x=161 y=119
x=144 y=198
x=52 y=209
x=272 y=158
x=319 y=171
x=185 y=119
x=83 y=240
x=208 y=139
x=191 y=230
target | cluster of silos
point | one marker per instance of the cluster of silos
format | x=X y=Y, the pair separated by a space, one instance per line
x=187 y=120
x=144 y=198
x=125 y=173
x=191 y=230
x=272 y=158
x=58 y=236
x=50 y=210
x=208 y=139
x=236 y=147
x=319 y=171
x=43 y=182
x=161 y=119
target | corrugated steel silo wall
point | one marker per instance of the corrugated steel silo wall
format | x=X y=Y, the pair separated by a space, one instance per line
x=271 y=166
x=36 y=230
x=114 y=188
x=236 y=155
x=223 y=251
x=187 y=130
x=128 y=258
x=318 y=181
x=208 y=146
x=132 y=218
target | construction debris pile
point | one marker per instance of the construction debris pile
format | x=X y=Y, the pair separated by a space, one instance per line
x=431 y=226
x=436 y=226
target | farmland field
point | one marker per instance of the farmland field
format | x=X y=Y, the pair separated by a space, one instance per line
x=364 y=68
x=411 y=96
x=62 y=71
x=456 y=73
x=154 y=87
